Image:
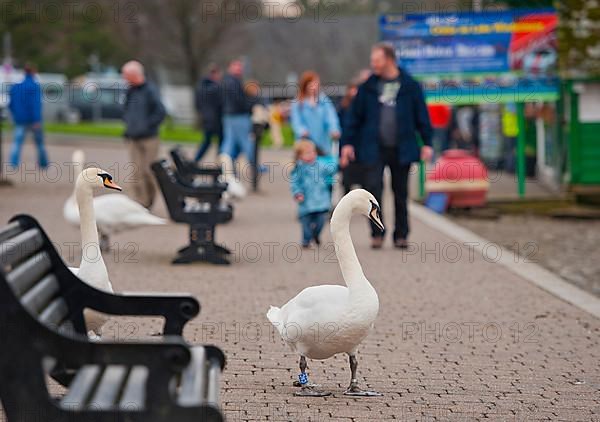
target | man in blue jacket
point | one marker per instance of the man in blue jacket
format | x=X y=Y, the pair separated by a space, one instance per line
x=26 y=108
x=381 y=130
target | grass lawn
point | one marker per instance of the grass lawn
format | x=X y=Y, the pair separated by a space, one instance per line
x=168 y=132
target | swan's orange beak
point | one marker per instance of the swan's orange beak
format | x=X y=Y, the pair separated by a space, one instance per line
x=107 y=181
x=112 y=185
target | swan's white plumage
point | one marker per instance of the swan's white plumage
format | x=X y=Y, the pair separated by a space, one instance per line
x=92 y=269
x=322 y=321
x=114 y=212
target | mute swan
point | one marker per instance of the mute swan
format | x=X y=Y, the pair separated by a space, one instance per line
x=322 y=321
x=92 y=269
x=235 y=188
x=114 y=212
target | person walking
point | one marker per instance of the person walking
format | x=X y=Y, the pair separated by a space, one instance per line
x=313 y=115
x=381 y=131
x=310 y=188
x=237 y=107
x=143 y=114
x=209 y=107
x=25 y=105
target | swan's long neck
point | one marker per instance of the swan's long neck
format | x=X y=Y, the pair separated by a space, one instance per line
x=89 y=231
x=344 y=248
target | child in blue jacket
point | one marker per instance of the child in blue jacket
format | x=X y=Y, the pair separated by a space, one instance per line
x=311 y=188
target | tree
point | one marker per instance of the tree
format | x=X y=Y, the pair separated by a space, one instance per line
x=182 y=34
x=60 y=37
x=579 y=38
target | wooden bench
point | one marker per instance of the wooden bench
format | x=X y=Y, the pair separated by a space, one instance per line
x=199 y=206
x=42 y=326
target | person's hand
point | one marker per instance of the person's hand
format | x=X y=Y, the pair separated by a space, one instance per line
x=299 y=198
x=335 y=135
x=426 y=153
x=36 y=125
x=347 y=155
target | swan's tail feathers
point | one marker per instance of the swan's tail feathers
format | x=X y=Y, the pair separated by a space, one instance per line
x=274 y=317
x=152 y=220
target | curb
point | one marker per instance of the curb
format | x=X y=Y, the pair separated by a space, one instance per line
x=531 y=272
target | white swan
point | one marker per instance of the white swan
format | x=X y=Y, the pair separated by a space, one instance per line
x=322 y=321
x=114 y=212
x=92 y=269
x=235 y=188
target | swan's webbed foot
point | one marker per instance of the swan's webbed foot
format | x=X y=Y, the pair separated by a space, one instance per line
x=310 y=384
x=310 y=391
x=355 y=390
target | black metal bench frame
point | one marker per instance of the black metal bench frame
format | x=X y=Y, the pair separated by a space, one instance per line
x=189 y=170
x=176 y=189
x=42 y=327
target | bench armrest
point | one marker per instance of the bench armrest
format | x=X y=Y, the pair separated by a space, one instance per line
x=177 y=309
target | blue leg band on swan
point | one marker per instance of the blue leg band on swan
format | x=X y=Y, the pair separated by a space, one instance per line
x=303 y=378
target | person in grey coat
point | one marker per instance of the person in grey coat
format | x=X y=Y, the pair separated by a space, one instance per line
x=143 y=113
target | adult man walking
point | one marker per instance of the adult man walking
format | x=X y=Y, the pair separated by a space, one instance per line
x=209 y=107
x=143 y=115
x=236 y=114
x=381 y=130
x=26 y=108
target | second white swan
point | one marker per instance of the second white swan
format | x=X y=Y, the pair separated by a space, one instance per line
x=322 y=321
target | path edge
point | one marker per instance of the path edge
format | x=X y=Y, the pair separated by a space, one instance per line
x=529 y=271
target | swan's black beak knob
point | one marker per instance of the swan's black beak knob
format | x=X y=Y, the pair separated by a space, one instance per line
x=375 y=216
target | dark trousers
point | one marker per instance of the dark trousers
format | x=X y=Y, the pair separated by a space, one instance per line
x=208 y=135
x=373 y=182
x=312 y=224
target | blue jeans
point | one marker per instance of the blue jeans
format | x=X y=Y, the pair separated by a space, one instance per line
x=312 y=224
x=236 y=136
x=19 y=140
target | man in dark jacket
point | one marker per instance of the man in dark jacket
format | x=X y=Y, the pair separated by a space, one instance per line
x=381 y=130
x=143 y=114
x=26 y=109
x=209 y=107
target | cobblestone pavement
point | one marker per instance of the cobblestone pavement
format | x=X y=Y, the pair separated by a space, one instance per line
x=568 y=248
x=457 y=338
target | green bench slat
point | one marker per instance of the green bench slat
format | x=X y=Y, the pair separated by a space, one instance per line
x=23 y=277
x=193 y=379
x=41 y=294
x=109 y=387
x=134 y=393
x=81 y=388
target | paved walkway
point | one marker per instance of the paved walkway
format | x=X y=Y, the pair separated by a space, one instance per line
x=458 y=337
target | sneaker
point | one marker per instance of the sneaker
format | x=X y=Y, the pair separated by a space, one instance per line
x=377 y=242
x=317 y=240
x=401 y=243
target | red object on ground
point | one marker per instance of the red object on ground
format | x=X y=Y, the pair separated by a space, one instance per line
x=462 y=176
x=440 y=115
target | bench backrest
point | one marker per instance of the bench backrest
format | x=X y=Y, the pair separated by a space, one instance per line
x=32 y=273
x=189 y=168
x=168 y=183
